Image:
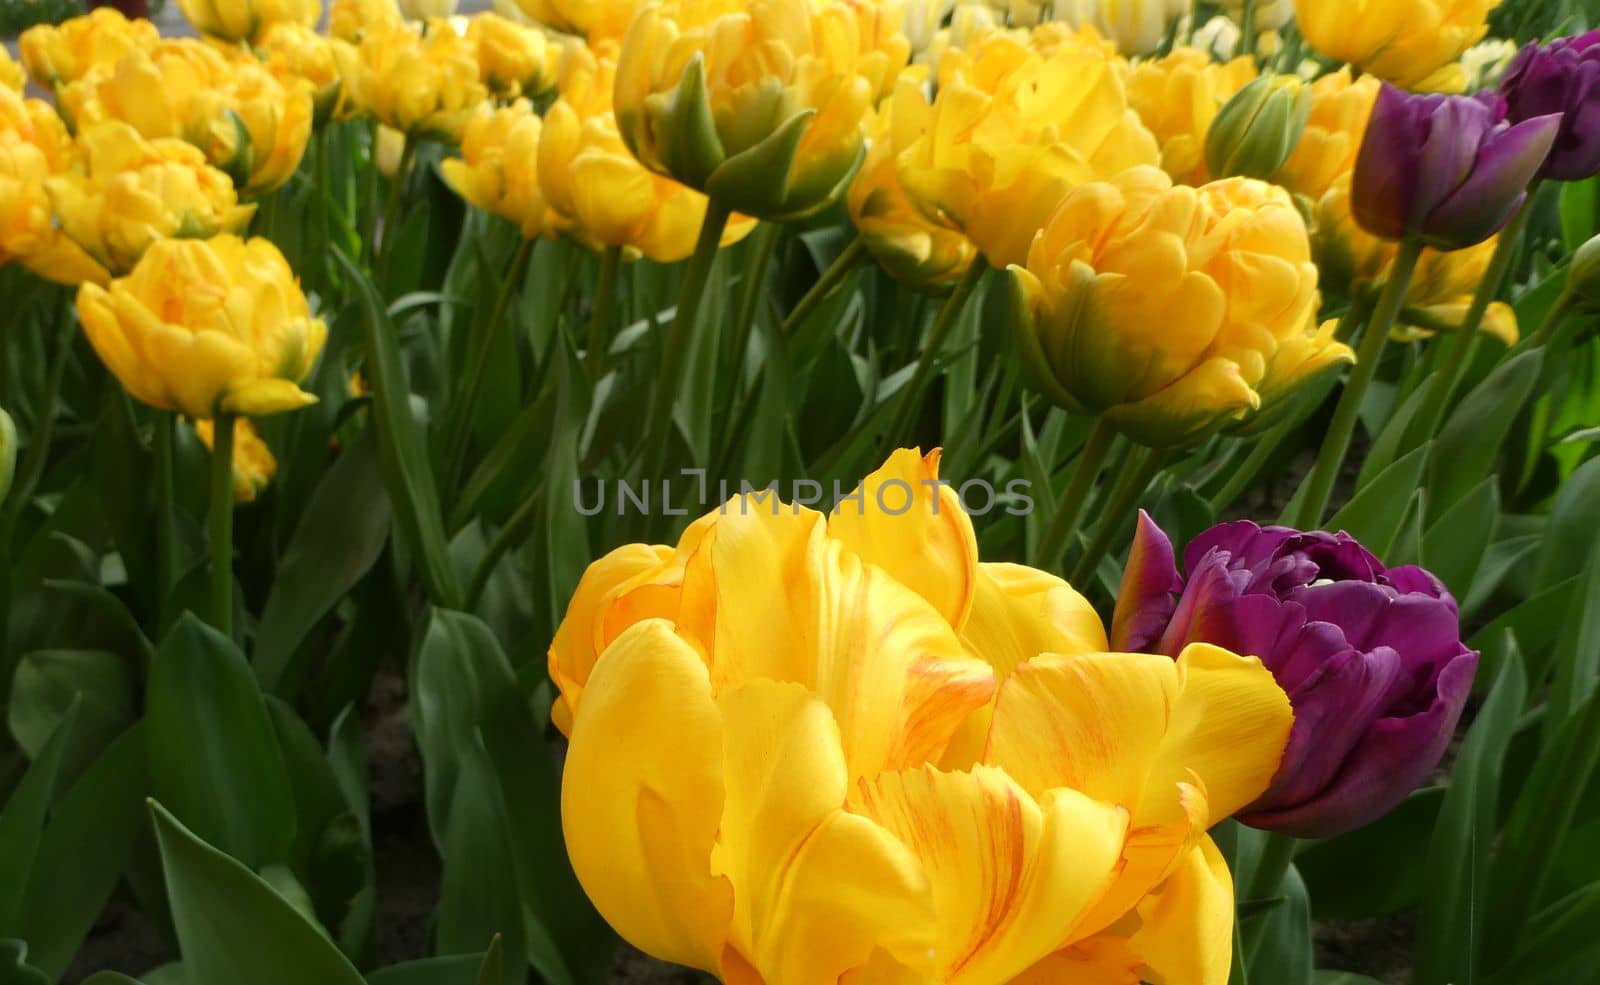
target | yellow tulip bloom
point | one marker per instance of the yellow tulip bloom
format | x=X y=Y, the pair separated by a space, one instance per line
x=253 y=462
x=1178 y=96
x=1172 y=310
x=605 y=196
x=1340 y=108
x=1413 y=45
x=753 y=784
x=885 y=50
x=757 y=103
x=424 y=85
x=597 y=20
x=496 y=171
x=34 y=148
x=61 y=53
x=1011 y=129
x=12 y=75
x=206 y=326
x=513 y=60
x=244 y=20
x=910 y=246
x=428 y=9
x=126 y=193
x=294 y=52
x=1137 y=26
x=352 y=20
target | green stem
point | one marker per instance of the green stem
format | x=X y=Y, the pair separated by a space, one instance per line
x=605 y=295
x=479 y=345
x=31 y=470
x=221 y=523
x=1247 y=29
x=750 y=295
x=1552 y=320
x=853 y=256
x=1070 y=505
x=1277 y=854
x=166 y=533
x=504 y=540
x=680 y=335
x=1136 y=475
x=391 y=208
x=1459 y=344
x=1337 y=442
x=910 y=397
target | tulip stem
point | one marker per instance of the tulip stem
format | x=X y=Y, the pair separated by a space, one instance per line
x=1330 y=459
x=221 y=523
x=658 y=427
x=911 y=396
x=480 y=342
x=507 y=537
x=605 y=297
x=31 y=469
x=758 y=258
x=1070 y=505
x=1247 y=29
x=166 y=542
x=1266 y=882
x=1552 y=320
x=391 y=209
x=1135 y=477
x=853 y=256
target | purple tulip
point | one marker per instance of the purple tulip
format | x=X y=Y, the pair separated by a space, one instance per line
x=1449 y=170
x=1371 y=658
x=1560 y=77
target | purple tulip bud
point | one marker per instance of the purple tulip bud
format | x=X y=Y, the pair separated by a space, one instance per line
x=1560 y=77
x=1371 y=658
x=1449 y=170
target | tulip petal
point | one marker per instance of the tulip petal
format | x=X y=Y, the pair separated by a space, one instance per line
x=1491 y=195
x=1150 y=582
x=1213 y=392
x=642 y=795
x=1186 y=927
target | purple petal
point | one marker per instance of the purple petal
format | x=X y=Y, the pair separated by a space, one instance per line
x=1207 y=611
x=1241 y=540
x=1409 y=578
x=1487 y=200
x=1425 y=630
x=1450 y=148
x=1386 y=173
x=1150 y=584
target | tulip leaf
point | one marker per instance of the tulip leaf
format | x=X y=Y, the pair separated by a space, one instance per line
x=1449 y=937
x=1396 y=438
x=458 y=969
x=1467 y=446
x=111 y=978
x=1560 y=937
x=1375 y=870
x=232 y=925
x=1569 y=537
x=1453 y=546
x=49 y=683
x=1343 y=978
x=757 y=180
x=1282 y=953
x=22 y=819
x=216 y=761
x=402 y=451
x=1580 y=205
x=336 y=542
x=1378 y=511
x=14 y=969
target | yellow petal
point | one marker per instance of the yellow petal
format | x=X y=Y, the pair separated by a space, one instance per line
x=1185 y=935
x=1021 y=612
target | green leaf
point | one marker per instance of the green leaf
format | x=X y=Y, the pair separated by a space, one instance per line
x=1374 y=870
x=1535 y=623
x=14 y=969
x=22 y=821
x=1450 y=931
x=461 y=969
x=50 y=682
x=478 y=895
x=1377 y=512
x=1343 y=978
x=1569 y=538
x=1454 y=545
x=110 y=978
x=1561 y=935
x=1282 y=952
x=216 y=761
x=1467 y=446
x=232 y=926
x=1392 y=442
x=338 y=539
x=1580 y=204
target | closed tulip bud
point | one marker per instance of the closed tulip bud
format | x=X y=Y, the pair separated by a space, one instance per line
x=34 y=147
x=1448 y=170
x=498 y=168
x=1009 y=131
x=1583 y=278
x=1413 y=45
x=8 y=453
x=597 y=20
x=238 y=21
x=422 y=85
x=1171 y=311
x=757 y=103
x=1335 y=127
x=352 y=20
x=1258 y=128
x=1178 y=96
x=127 y=193
x=206 y=327
x=1138 y=27
x=253 y=462
x=1371 y=658
x=62 y=53
x=514 y=60
x=1562 y=77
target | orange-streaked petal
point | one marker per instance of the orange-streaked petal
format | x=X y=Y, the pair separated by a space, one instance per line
x=1185 y=934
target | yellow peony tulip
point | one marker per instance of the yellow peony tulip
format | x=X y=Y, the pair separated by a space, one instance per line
x=757 y=103
x=424 y=85
x=969 y=19
x=57 y=54
x=126 y=193
x=1177 y=96
x=1010 y=130
x=910 y=246
x=206 y=326
x=351 y=21
x=1340 y=108
x=12 y=75
x=885 y=49
x=294 y=52
x=1171 y=310
x=496 y=171
x=758 y=781
x=34 y=147
x=597 y=20
x=253 y=462
x=428 y=9
x=513 y=60
x=244 y=20
x=605 y=196
x=1413 y=45
x=1137 y=26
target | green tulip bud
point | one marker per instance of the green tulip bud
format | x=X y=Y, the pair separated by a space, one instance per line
x=1257 y=130
x=8 y=453
x=1583 y=279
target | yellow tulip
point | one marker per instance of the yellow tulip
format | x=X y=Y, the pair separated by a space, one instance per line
x=1137 y=26
x=1413 y=45
x=126 y=193
x=757 y=103
x=1010 y=130
x=969 y=19
x=1178 y=96
x=513 y=60
x=57 y=54
x=253 y=462
x=754 y=783
x=1170 y=310
x=12 y=75
x=497 y=170
x=1486 y=62
x=1270 y=15
x=1340 y=108
x=428 y=9
x=278 y=116
x=597 y=20
x=923 y=21
x=295 y=52
x=885 y=49
x=604 y=195
x=205 y=327
x=424 y=85
x=910 y=246
x=243 y=20
x=352 y=20
x=34 y=147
